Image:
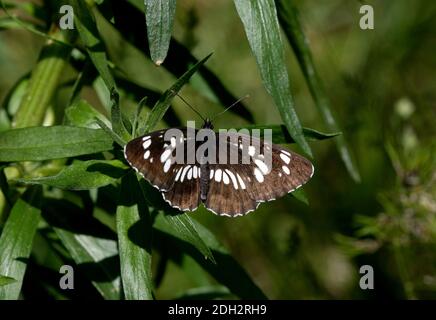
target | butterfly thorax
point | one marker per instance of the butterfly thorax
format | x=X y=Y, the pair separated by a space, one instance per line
x=207 y=124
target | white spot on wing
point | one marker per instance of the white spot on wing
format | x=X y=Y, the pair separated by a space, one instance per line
x=262 y=166
x=286 y=170
x=232 y=176
x=218 y=173
x=165 y=155
x=179 y=171
x=189 y=175
x=194 y=173
x=251 y=151
x=184 y=172
x=286 y=153
x=146 y=144
x=226 y=179
x=167 y=165
x=211 y=174
x=241 y=182
x=173 y=142
x=146 y=138
x=285 y=158
x=147 y=154
x=258 y=175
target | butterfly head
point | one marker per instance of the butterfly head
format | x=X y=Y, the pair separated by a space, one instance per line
x=207 y=124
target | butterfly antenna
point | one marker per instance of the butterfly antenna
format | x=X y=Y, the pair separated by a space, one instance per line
x=232 y=105
x=187 y=103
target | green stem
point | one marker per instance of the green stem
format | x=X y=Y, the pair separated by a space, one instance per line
x=43 y=82
x=409 y=289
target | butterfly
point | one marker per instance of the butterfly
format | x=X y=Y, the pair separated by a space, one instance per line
x=225 y=188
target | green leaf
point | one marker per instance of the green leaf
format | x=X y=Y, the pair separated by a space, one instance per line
x=134 y=241
x=43 y=83
x=182 y=226
x=88 y=32
x=87 y=28
x=300 y=195
x=117 y=118
x=288 y=16
x=43 y=143
x=82 y=114
x=83 y=175
x=4 y=187
x=204 y=81
x=261 y=25
x=281 y=136
x=205 y=293
x=172 y=221
x=159 y=16
x=116 y=138
x=6 y=280
x=164 y=102
x=91 y=245
x=226 y=270
x=30 y=26
x=17 y=239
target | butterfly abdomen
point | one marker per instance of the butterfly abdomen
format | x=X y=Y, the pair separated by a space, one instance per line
x=204 y=181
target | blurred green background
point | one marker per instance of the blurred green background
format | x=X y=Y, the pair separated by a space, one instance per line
x=382 y=87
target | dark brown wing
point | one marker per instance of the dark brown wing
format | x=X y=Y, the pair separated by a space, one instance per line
x=236 y=189
x=155 y=159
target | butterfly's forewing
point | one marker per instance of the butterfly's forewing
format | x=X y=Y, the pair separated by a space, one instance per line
x=256 y=182
x=154 y=159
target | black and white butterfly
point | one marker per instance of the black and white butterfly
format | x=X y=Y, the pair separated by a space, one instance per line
x=225 y=189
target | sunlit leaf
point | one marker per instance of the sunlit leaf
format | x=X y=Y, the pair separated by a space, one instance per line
x=90 y=244
x=134 y=240
x=6 y=280
x=159 y=16
x=288 y=16
x=260 y=21
x=16 y=241
x=164 y=102
x=83 y=175
x=42 y=143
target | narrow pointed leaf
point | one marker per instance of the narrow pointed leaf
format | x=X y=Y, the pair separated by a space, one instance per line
x=87 y=28
x=281 y=136
x=134 y=241
x=43 y=143
x=226 y=270
x=183 y=226
x=91 y=245
x=16 y=241
x=6 y=280
x=82 y=114
x=88 y=32
x=260 y=21
x=159 y=16
x=164 y=102
x=170 y=220
x=288 y=16
x=83 y=175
